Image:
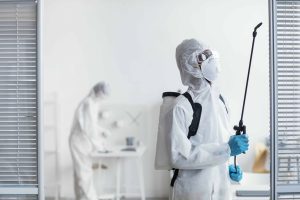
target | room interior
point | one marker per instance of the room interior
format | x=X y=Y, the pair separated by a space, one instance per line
x=52 y=52
x=131 y=45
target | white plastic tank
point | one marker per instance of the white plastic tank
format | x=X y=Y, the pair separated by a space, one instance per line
x=162 y=159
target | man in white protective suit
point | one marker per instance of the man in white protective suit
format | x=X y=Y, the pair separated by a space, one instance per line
x=87 y=136
x=202 y=160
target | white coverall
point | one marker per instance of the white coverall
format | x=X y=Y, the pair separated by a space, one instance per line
x=202 y=160
x=85 y=137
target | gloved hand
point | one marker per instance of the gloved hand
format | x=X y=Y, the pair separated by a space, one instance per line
x=238 y=144
x=235 y=175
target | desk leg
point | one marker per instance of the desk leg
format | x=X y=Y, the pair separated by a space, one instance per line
x=118 y=179
x=141 y=177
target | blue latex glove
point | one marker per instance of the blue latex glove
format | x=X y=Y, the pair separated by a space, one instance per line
x=235 y=176
x=238 y=144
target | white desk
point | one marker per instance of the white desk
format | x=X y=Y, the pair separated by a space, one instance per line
x=249 y=188
x=252 y=182
x=119 y=155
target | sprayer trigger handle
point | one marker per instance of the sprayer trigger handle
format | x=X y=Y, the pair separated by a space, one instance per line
x=244 y=129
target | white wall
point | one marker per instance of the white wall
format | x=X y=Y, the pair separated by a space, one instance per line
x=131 y=44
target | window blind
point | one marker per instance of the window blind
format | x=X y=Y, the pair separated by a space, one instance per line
x=18 y=100
x=285 y=98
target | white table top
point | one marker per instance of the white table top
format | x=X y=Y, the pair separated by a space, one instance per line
x=118 y=152
x=234 y=188
x=251 y=182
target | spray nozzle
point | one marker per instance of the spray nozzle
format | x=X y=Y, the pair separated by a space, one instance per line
x=256 y=27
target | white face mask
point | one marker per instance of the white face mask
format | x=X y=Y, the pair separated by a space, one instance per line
x=210 y=68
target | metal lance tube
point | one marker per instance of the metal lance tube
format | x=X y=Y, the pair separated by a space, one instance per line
x=241 y=128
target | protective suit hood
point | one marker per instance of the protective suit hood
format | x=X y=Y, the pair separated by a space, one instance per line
x=186 y=58
x=100 y=90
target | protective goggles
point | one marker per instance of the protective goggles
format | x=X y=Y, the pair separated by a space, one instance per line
x=204 y=55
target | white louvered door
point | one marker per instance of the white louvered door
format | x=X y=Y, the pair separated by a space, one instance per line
x=19 y=111
x=285 y=98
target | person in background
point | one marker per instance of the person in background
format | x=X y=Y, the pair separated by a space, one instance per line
x=87 y=136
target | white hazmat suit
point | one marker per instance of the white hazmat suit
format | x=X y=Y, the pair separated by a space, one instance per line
x=203 y=159
x=85 y=137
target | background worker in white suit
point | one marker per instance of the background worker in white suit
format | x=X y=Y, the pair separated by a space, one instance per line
x=86 y=136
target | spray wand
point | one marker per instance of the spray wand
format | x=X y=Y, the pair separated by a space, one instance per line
x=241 y=128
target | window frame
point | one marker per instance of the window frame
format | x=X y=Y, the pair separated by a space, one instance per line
x=39 y=190
x=276 y=189
x=41 y=187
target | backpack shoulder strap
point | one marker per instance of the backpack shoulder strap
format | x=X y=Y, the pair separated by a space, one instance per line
x=197 y=110
x=193 y=128
x=189 y=98
x=222 y=99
